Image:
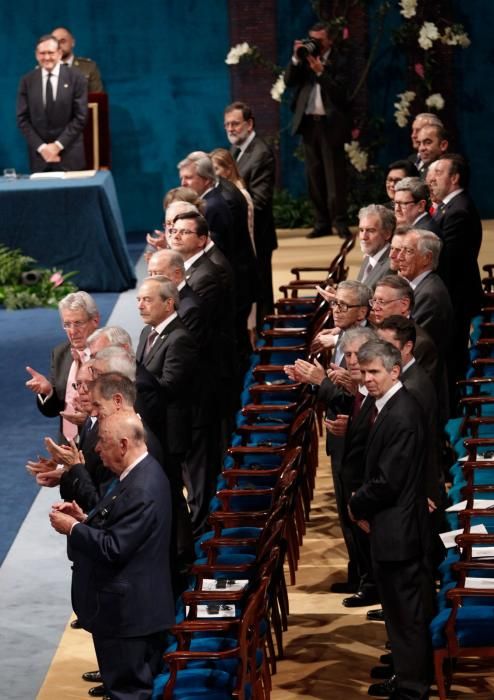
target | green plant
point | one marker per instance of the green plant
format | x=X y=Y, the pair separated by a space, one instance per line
x=23 y=287
x=290 y=211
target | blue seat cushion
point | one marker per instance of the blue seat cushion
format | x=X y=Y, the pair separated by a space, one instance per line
x=474 y=626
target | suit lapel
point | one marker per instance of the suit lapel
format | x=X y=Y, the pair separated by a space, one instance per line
x=160 y=340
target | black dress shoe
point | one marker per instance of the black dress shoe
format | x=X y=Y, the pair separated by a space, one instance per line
x=319 y=232
x=360 y=599
x=343 y=587
x=375 y=615
x=99 y=691
x=384 y=689
x=382 y=672
x=386 y=659
x=92 y=676
x=75 y=624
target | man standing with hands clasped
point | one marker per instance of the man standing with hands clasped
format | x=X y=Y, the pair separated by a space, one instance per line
x=52 y=111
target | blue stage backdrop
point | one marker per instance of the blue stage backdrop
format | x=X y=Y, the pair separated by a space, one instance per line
x=163 y=66
x=162 y=62
x=474 y=100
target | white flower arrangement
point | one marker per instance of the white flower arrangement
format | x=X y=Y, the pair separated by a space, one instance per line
x=357 y=156
x=236 y=52
x=436 y=101
x=402 y=107
x=427 y=35
x=408 y=8
x=452 y=38
x=278 y=88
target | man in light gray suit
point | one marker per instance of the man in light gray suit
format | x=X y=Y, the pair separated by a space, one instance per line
x=376 y=227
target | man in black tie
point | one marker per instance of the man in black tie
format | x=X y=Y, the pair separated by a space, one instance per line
x=52 y=111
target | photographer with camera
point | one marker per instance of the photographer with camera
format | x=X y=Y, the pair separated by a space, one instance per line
x=318 y=73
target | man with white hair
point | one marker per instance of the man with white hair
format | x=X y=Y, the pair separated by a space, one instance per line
x=80 y=317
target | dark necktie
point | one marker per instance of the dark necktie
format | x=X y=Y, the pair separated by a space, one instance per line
x=236 y=153
x=373 y=415
x=357 y=404
x=49 y=102
x=149 y=342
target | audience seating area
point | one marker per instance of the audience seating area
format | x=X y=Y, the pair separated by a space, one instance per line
x=464 y=624
x=230 y=622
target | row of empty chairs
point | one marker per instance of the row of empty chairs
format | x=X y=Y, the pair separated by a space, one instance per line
x=229 y=627
x=464 y=624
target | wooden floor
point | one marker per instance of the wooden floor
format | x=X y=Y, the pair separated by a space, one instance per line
x=328 y=648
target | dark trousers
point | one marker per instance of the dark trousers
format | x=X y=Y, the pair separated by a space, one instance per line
x=201 y=467
x=325 y=165
x=128 y=665
x=407 y=598
x=181 y=538
x=265 y=304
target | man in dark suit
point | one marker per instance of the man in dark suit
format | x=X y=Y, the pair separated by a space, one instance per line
x=169 y=352
x=121 y=588
x=432 y=309
x=80 y=317
x=394 y=296
x=189 y=237
x=460 y=230
x=432 y=141
x=257 y=167
x=392 y=506
x=196 y=171
x=204 y=455
x=400 y=332
x=350 y=425
x=320 y=107
x=411 y=204
x=86 y=66
x=52 y=111
x=376 y=227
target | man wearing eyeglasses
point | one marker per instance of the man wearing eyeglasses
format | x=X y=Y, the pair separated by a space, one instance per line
x=410 y=204
x=257 y=167
x=80 y=317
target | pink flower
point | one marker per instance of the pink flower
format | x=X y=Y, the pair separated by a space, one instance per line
x=346 y=33
x=56 y=279
x=419 y=69
x=355 y=134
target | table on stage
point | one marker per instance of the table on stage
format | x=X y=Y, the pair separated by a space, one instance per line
x=69 y=224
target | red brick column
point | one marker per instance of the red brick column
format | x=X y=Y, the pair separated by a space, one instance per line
x=255 y=23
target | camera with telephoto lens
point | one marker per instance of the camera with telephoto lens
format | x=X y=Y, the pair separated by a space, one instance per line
x=310 y=47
